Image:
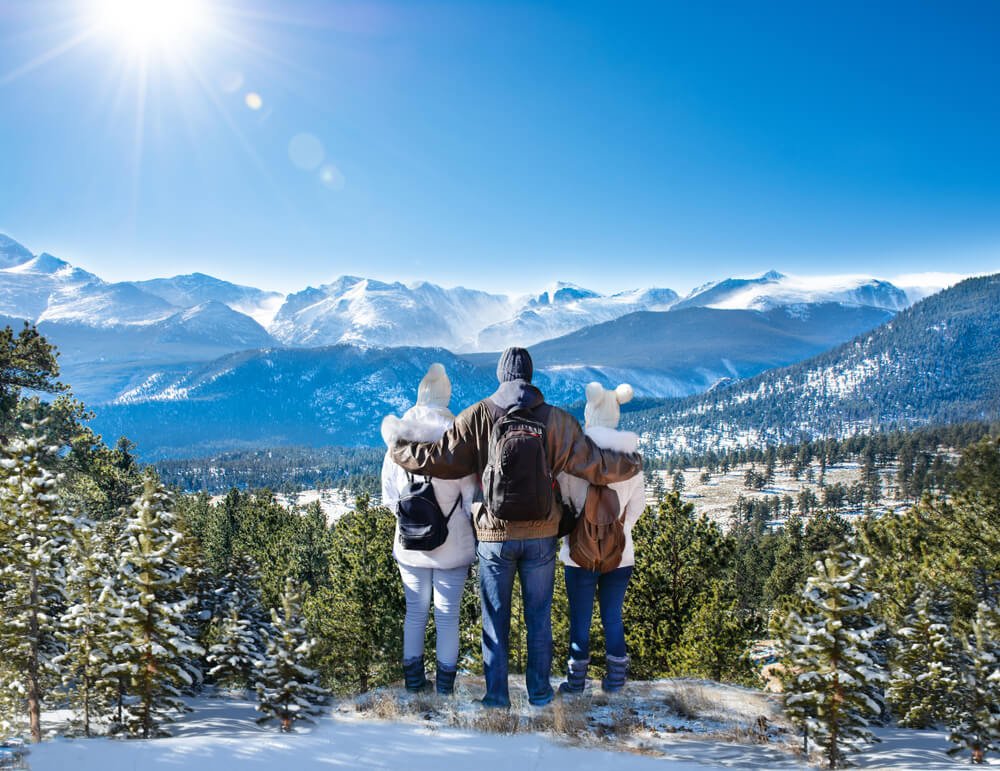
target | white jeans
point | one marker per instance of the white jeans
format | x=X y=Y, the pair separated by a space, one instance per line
x=446 y=586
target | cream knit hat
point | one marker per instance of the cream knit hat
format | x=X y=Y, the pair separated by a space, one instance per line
x=603 y=405
x=435 y=388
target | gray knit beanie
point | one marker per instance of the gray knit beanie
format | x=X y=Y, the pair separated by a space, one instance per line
x=514 y=364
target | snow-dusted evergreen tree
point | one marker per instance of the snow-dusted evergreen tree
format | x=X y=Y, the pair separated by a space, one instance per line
x=239 y=630
x=287 y=689
x=84 y=624
x=155 y=641
x=198 y=587
x=924 y=673
x=833 y=684
x=33 y=534
x=975 y=723
x=12 y=713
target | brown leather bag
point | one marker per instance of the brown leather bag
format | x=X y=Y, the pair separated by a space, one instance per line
x=598 y=540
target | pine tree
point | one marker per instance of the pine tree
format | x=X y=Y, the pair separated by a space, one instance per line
x=716 y=639
x=34 y=532
x=924 y=677
x=239 y=629
x=358 y=616
x=680 y=554
x=153 y=613
x=287 y=689
x=84 y=624
x=975 y=724
x=832 y=685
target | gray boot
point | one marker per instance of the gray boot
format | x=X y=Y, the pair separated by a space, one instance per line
x=445 y=678
x=576 y=676
x=614 y=680
x=413 y=675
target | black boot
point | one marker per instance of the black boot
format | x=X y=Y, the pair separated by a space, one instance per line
x=413 y=675
x=617 y=673
x=446 y=678
x=576 y=676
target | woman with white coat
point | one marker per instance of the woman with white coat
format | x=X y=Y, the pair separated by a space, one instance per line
x=601 y=415
x=439 y=573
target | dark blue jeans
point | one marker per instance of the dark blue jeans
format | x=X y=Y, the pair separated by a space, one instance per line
x=581 y=585
x=533 y=560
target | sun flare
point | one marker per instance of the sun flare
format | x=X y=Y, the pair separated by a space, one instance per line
x=144 y=25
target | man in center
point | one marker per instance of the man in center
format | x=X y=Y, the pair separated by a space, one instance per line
x=517 y=524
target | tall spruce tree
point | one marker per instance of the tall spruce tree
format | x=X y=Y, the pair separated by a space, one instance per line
x=716 y=639
x=84 y=624
x=924 y=665
x=239 y=630
x=358 y=616
x=832 y=688
x=975 y=724
x=679 y=555
x=288 y=689
x=34 y=532
x=157 y=641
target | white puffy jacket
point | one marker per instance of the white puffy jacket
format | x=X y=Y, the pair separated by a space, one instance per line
x=427 y=424
x=631 y=492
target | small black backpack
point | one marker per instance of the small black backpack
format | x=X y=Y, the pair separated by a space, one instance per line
x=422 y=524
x=517 y=480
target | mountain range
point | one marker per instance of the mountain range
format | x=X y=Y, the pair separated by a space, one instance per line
x=243 y=365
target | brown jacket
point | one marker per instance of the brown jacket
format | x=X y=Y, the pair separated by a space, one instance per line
x=465 y=446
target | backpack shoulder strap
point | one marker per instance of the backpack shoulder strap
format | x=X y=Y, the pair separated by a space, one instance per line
x=454 y=506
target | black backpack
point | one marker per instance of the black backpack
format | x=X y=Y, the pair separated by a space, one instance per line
x=422 y=524
x=517 y=480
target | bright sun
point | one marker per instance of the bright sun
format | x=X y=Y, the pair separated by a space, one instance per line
x=145 y=25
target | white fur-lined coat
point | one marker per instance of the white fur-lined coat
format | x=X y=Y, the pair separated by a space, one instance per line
x=631 y=492
x=428 y=424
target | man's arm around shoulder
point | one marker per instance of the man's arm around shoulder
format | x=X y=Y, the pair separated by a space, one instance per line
x=453 y=456
x=576 y=454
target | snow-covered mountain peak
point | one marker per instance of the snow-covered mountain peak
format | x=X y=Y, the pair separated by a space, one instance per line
x=774 y=289
x=12 y=253
x=563 y=292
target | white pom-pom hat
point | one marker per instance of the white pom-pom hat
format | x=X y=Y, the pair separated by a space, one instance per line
x=603 y=405
x=435 y=388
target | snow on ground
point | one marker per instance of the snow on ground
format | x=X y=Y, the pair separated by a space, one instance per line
x=717 y=497
x=334 y=503
x=680 y=725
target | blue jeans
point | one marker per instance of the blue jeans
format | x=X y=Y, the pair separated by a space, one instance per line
x=534 y=561
x=581 y=585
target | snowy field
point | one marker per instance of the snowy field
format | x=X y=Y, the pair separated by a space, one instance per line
x=390 y=730
x=717 y=497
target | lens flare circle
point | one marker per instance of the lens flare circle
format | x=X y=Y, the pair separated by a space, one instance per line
x=306 y=151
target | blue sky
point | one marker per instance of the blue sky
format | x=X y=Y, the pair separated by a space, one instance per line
x=506 y=145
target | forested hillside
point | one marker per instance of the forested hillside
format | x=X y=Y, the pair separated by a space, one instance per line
x=936 y=362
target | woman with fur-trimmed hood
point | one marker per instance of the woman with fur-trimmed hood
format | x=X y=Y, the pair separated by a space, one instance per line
x=601 y=416
x=440 y=573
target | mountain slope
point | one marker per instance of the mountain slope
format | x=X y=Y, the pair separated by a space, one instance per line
x=318 y=396
x=564 y=308
x=196 y=289
x=360 y=310
x=679 y=353
x=938 y=361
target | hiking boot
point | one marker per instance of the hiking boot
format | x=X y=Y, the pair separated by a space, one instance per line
x=413 y=675
x=576 y=676
x=614 y=680
x=445 y=678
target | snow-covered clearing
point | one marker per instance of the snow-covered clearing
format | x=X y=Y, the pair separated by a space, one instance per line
x=643 y=728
